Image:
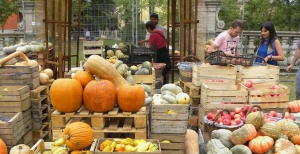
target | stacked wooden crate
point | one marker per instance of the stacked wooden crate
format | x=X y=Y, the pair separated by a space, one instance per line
x=146 y=79
x=40 y=110
x=113 y=124
x=170 y=127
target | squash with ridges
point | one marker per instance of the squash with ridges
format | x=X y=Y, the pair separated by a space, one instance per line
x=104 y=70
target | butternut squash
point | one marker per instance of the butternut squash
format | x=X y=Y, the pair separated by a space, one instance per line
x=22 y=56
x=191 y=142
x=104 y=70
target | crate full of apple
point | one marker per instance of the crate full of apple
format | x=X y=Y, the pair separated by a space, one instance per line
x=267 y=94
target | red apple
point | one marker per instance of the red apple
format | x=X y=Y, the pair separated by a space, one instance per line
x=209 y=115
x=253 y=110
x=213 y=117
x=237 y=116
x=233 y=123
x=226 y=122
x=287 y=115
x=243 y=119
x=293 y=118
x=237 y=121
x=237 y=110
x=242 y=114
x=272 y=113
x=220 y=119
x=276 y=86
x=232 y=115
x=245 y=108
x=278 y=115
x=227 y=116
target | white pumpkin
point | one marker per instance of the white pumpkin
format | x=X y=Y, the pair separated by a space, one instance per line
x=22 y=49
x=20 y=149
x=183 y=98
x=44 y=78
x=49 y=72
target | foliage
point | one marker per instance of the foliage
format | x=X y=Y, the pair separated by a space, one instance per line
x=7 y=7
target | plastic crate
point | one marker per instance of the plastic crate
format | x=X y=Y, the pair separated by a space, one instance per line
x=219 y=58
x=125 y=51
x=141 y=54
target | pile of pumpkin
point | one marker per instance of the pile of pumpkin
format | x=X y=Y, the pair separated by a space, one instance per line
x=257 y=136
x=24 y=47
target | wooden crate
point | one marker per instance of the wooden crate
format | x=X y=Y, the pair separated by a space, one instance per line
x=114 y=121
x=12 y=131
x=27 y=121
x=38 y=103
x=177 y=145
x=38 y=92
x=87 y=44
x=213 y=73
x=265 y=97
x=41 y=146
x=258 y=72
x=169 y=123
x=146 y=79
x=220 y=96
x=99 y=141
x=14 y=98
x=20 y=75
x=27 y=138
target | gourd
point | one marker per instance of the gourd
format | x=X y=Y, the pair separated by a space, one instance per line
x=110 y=53
x=214 y=146
x=147 y=88
x=131 y=97
x=59 y=150
x=21 y=48
x=170 y=99
x=104 y=70
x=167 y=92
x=22 y=56
x=66 y=95
x=122 y=69
x=100 y=96
x=148 y=99
x=283 y=146
x=240 y=149
x=298 y=148
x=3 y=148
x=271 y=129
x=44 y=78
x=133 y=69
x=243 y=134
x=147 y=65
x=296 y=139
x=8 y=49
x=49 y=72
x=84 y=77
x=288 y=128
x=142 y=71
x=255 y=118
x=223 y=136
x=191 y=142
x=20 y=149
x=129 y=77
x=261 y=144
x=171 y=87
x=80 y=152
x=78 y=135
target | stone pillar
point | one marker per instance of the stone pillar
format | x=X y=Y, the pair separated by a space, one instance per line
x=251 y=46
x=213 y=23
x=284 y=44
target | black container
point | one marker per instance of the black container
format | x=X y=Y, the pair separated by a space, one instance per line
x=140 y=54
x=219 y=58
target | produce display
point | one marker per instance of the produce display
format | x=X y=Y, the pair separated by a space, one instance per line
x=171 y=94
x=128 y=145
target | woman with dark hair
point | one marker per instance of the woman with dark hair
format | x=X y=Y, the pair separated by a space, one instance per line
x=158 y=40
x=269 y=47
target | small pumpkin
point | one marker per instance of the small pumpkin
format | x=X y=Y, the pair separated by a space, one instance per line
x=223 y=136
x=3 y=148
x=66 y=95
x=288 y=128
x=131 y=97
x=78 y=135
x=256 y=118
x=283 y=146
x=296 y=139
x=240 y=149
x=243 y=134
x=20 y=149
x=214 y=146
x=100 y=96
x=271 y=129
x=84 y=77
x=261 y=144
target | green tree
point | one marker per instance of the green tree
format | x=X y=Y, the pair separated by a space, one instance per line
x=230 y=10
x=7 y=8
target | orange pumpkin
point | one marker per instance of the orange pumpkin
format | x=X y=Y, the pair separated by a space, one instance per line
x=100 y=96
x=131 y=97
x=84 y=77
x=243 y=134
x=66 y=95
x=3 y=148
x=261 y=144
x=296 y=139
x=78 y=135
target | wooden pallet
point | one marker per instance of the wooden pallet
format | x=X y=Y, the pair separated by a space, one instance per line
x=191 y=89
x=43 y=133
x=38 y=123
x=38 y=113
x=177 y=145
x=41 y=90
x=193 y=120
x=43 y=100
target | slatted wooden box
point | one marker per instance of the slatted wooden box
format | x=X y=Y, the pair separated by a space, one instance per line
x=12 y=131
x=177 y=145
x=218 y=96
x=20 y=75
x=245 y=73
x=146 y=79
x=14 y=98
x=266 y=97
x=41 y=146
x=99 y=141
x=169 y=123
x=213 y=73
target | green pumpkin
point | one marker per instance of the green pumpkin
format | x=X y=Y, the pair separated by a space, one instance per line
x=256 y=119
x=147 y=88
x=215 y=146
x=223 y=136
x=240 y=149
x=288 y=128
x=271 y=129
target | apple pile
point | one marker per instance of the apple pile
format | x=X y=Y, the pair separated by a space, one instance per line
x=249 y=84
x=232 y=118
x=274 y=116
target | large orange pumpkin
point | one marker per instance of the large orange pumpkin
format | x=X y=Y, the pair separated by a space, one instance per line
x=3 y=148
x=131 y=97
x=84 y=77
x=100 y=96
x=66 y=95
x=78 y=135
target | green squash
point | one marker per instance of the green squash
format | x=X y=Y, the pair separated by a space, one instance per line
x=240 y=149
x=223 y=136
x=147 y=65
x=271 y=129
x=288 y=128
x=215 y=146
x=257 y=118
x=147 y=88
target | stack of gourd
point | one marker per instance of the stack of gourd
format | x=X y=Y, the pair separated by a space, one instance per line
x=143 y=69
x=257 y=136
x=33 y=46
